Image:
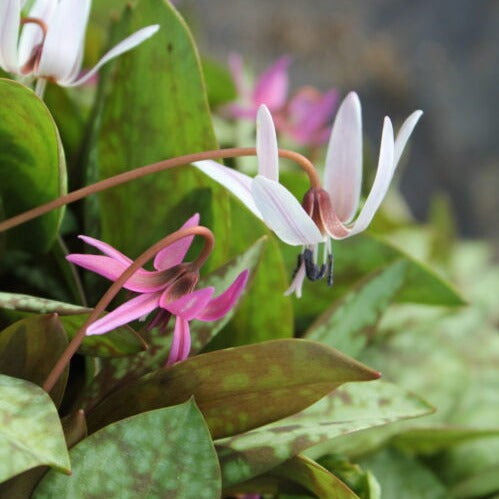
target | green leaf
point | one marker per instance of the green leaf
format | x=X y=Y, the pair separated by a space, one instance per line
x=402 y=477
x=32 y=165
x=148 y=119
x=229 y=385
x=162 y=453
x=479 y=485
x=349 y=323
x=30 y=431
x=349 y=409
x=38 y=305
x=30 y=348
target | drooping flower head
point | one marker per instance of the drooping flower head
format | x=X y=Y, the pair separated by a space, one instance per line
x=50 y=44
x=169 y=288
x=326 y=212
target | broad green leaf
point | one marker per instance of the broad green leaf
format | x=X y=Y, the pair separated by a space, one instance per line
x=32 y=165
x=147 y=119
x=30 y=431
x=163 y=453
x=29 y=349
x=350 y=322
x=229 y=385
x=402 y=477
x=349 y=409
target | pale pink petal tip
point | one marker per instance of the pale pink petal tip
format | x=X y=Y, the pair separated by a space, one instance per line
x=181 y=343
x=266 y=145
x=220 y=306
x=297 y=283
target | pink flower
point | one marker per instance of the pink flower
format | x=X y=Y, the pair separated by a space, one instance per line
x=307 y=117
x=271 y=88
x=170 y=287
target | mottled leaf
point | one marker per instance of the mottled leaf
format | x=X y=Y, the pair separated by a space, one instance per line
x=32 y=165
x=30 y=430
x=36 y=304
x=349 y=409
x=163 y=453
x=29 y=349
x=229 y=385
x=349 y=323
x=147 y=119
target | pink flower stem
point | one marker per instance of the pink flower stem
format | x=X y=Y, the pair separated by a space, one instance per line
x=75 y=343
x=130 y=175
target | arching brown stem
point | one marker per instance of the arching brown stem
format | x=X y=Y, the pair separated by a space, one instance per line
x=128 y=176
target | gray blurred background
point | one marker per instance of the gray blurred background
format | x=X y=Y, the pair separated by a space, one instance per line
x=399 y=55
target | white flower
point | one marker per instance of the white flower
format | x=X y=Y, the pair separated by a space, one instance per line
x=326 y=212
x=50 y=44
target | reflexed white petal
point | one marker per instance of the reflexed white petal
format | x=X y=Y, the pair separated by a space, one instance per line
x=236 y=182
x=283 y=213
x=343 y=171
x=404 y=133
x=31 y=34
x=124 y=46
x=266 y=145
x=10 y=11
x=382 y=180
x=64 y=40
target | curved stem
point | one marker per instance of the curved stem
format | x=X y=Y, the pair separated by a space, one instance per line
x=130 y=175
x=75 y=343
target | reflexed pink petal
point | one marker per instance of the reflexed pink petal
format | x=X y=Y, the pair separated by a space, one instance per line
x=124 y=46
x=382 y=180
x=64 y=40
x=297 y=283
x=219 y=306
x=174 y=254
x=343 y=171
x=266 y=145
x=271 y=88
x=237 y=72
x=142 y=281
x=132 y=309
x=283 y=213
x=31 y=34
x=239 y=111
x=404 y=133
x=189 y=305
x=107 y=249
x=181 y=343
x=236 y=182
x=10 y=15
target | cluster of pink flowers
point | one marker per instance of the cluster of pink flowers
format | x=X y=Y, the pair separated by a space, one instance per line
x=305 y=117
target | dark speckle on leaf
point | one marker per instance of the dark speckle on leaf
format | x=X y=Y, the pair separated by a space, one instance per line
x=169 y=47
